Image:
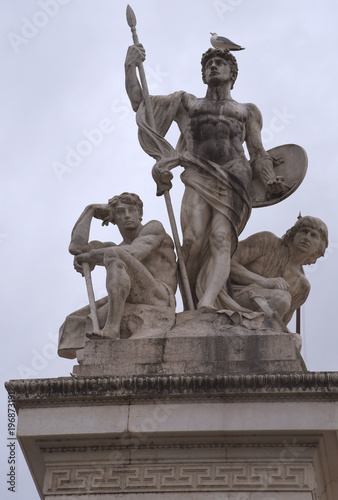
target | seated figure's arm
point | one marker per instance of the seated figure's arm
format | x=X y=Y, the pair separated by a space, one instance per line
x=242 y=276
x=81 y=230
x=83 y=250
x=251 y=251
x=259 y=158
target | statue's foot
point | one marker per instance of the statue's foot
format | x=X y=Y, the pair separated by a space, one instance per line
x=206 y=305
x=101 y=335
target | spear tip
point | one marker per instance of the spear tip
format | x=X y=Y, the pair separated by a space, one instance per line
x=131 y=18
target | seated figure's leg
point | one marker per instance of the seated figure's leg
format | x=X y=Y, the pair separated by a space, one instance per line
x=195 y=217
x=128 y=280
x=118 y=288
x=278 y=300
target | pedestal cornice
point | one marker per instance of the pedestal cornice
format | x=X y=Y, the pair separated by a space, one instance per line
x=318 y=386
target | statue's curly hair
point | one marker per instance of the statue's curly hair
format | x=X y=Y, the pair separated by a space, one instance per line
x=227 y=56
x=313 y=223
x=126 y=198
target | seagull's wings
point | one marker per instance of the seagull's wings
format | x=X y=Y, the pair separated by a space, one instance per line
x=224 y=40
x=221 y=42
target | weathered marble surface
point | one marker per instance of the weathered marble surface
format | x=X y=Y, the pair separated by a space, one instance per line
x=215 y=208
x=138 y=320
x=200 y=343
x=140 y=270
x=257 y=293
x=267 y=271
x=217 y=177
x=253 y=437
x=271 y=268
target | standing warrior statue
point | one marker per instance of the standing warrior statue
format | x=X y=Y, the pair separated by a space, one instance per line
x=216 y=204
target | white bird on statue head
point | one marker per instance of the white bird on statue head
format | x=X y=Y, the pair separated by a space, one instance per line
x=220 y=42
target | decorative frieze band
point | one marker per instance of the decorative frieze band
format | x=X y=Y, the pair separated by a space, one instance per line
x=80 y=479
x=318 y=385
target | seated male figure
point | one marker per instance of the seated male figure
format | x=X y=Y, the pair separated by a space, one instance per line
x=140 y=270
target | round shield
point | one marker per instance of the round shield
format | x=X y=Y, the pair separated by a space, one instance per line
x=290 y=165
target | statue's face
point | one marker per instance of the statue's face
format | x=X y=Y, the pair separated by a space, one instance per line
x=306 y=241
x=217 y=71
x=127 y=216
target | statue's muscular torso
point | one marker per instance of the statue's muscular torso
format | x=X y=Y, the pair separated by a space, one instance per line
x=212 y=129
x=154 y=248
x=161 y=262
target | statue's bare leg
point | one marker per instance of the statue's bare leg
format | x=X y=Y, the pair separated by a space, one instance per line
x=128 y=279
x=195 y=217
x=118 y=288
x=218 y=269
x=278 y=300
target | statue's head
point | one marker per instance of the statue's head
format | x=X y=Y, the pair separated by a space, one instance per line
x=126 y=199
x=224 y=54
x=310 y=223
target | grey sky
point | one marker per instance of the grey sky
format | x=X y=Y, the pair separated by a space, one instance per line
x=69 y=139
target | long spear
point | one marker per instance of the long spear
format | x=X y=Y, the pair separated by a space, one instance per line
x=131 y=20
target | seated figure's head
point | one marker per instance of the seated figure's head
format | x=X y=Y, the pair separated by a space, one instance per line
x=224 y=54
x=319 y=244
x=126 y=199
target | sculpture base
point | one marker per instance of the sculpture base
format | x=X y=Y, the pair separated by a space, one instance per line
x=258 y=437
x=199 y=343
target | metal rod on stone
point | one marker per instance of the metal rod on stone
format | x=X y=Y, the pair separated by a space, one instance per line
x=298 y=320
x=131 y=20
x=91 y=296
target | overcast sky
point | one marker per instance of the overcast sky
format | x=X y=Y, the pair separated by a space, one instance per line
x=69 y=139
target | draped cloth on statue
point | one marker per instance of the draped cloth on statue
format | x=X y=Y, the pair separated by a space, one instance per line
x=224 y=187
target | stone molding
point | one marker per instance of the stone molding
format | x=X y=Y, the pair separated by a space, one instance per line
x=107 y=478
x=284 y=445
x=106 y=390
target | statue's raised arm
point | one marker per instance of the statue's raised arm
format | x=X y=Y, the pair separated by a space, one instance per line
x=135 y=56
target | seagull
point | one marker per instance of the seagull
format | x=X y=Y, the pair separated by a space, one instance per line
x=220 y=42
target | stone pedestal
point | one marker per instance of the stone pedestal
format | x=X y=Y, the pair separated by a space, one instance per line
x=232 y=437
x=200 y=343
x=204 y=410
